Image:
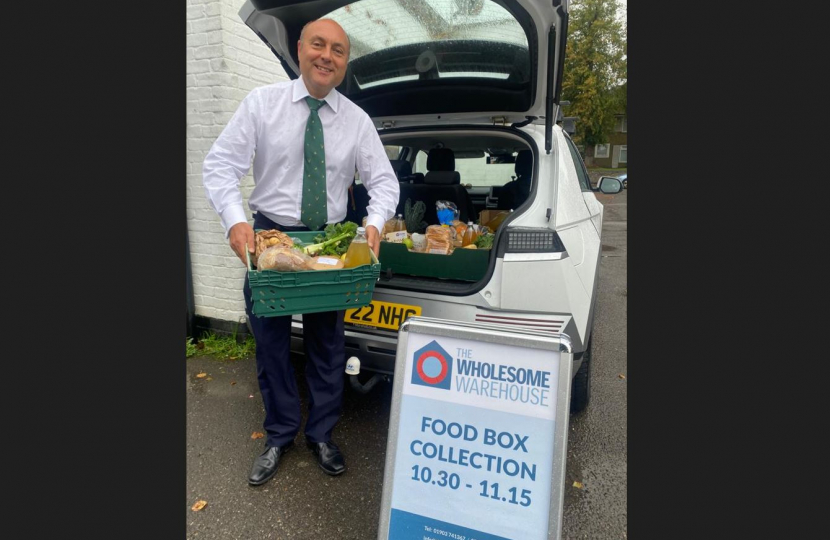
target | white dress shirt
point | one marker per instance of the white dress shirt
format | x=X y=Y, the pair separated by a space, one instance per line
x=269 y=127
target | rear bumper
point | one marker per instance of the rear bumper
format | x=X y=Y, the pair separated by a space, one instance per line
x=377 y=349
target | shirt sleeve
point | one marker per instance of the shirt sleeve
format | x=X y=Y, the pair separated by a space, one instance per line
x=377 y=175
x=228 y=160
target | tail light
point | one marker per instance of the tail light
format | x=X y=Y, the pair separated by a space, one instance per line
x=525 y=240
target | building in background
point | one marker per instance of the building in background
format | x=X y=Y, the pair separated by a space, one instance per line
x=225 y=61
x=614 y=153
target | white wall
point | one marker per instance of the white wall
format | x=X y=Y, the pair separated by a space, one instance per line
x=225 y=60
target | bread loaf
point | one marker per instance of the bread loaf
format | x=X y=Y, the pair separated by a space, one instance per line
x=439 y=240
x=283 y=259
x=273 y=237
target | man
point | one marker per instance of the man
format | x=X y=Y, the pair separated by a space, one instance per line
x=306 y=141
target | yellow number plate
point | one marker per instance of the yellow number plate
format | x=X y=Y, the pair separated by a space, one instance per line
x=381 y=314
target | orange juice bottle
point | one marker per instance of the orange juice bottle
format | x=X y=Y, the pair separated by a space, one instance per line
x=358 y=252
x=470 y=235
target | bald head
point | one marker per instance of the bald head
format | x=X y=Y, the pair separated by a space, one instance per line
x=328 y=21
x=323 y=52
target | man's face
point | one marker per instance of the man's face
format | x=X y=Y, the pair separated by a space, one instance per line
x=323 y=51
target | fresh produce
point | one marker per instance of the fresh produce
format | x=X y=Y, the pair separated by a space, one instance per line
x=270 y=238
x=334 y=241
x=414 y=215
x=485 y=241
x=408 y=243
x=460 y=228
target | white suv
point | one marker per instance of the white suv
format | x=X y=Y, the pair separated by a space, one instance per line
x=465 y=94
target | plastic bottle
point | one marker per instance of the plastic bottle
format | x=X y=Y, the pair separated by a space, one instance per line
x=400 y=223
x=358 y=252
x=470 y=235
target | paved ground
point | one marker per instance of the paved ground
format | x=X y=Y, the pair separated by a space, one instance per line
x=597 y=445
x=224 y=408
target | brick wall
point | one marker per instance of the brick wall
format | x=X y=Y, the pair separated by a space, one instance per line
x=225 y=60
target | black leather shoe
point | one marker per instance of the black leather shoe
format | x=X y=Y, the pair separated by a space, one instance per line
x=329 y=457
x=265 y=466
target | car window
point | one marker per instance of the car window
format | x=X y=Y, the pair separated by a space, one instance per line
x=392 y=151
x=387 y=35
x=581 y=171
x=478 y=172
x=420 y=162
x=475 y=171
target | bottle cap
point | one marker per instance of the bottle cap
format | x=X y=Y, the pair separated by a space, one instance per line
x=361 y=230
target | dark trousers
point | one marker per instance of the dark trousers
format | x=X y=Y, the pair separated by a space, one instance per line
x=325 y=363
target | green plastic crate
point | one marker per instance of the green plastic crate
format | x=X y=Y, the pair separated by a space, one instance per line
x=462 y=264
x=276 y=293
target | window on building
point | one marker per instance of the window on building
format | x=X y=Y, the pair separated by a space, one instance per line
x=601 y=151
x=623 y=154
x=622 y=124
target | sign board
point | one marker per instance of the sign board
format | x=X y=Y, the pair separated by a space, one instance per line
x=477 y=433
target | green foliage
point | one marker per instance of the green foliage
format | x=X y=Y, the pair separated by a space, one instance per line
x=334 y=231
x=413 y=215
x=190 y=348
x=595 y=77
x=485 y=241
x=222 y=347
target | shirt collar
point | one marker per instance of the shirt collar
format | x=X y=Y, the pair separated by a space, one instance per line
x=300 y=92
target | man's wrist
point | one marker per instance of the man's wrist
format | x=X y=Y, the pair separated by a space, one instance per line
x=230 y=216
x=375 y=221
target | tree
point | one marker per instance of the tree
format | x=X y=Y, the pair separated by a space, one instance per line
x=595 y=77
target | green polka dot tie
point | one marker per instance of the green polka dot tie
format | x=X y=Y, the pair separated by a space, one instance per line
x=313 y=206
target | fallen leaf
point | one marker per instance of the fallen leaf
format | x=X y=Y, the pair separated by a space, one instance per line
x=198 y=506
x=209 y=379
x=578 y=485
x=233 y=357
x=621 y=376
x=200 y=345
x=233 y=383
x=201 y=375
x=257 y=435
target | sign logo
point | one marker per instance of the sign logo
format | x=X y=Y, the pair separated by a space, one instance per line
x=433 y=366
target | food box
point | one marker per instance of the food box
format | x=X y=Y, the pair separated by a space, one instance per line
x=276 y=293
x=461 y=264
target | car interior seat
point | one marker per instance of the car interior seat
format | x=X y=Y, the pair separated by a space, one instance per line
x=516 y=192
x=403 y=170
x=441 y=183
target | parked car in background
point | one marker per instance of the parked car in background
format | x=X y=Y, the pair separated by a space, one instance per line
x=624 y=179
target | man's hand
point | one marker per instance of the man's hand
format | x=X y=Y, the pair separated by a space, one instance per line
x=373 y=237
x=241 y=237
